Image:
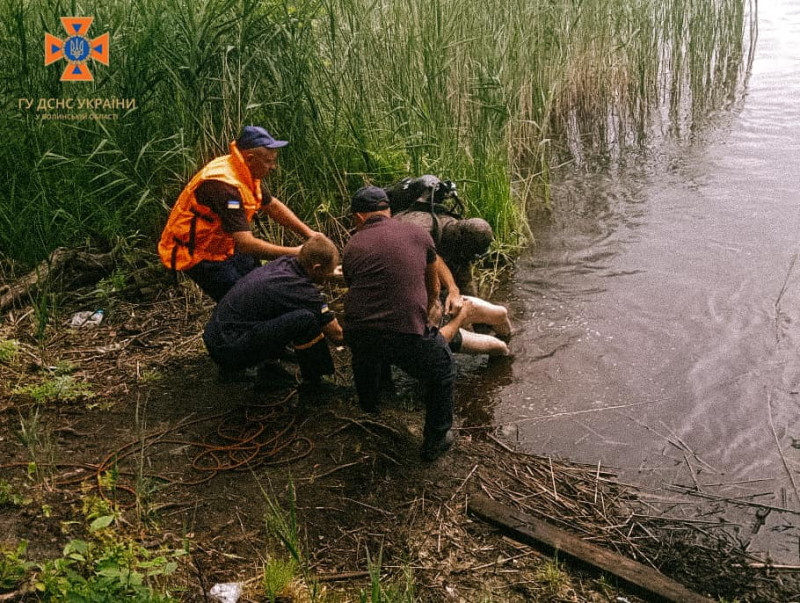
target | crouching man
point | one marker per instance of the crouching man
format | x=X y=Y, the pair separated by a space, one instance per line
x=390 y=268
x=273 y=306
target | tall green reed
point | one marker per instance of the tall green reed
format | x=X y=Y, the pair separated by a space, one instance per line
x=487 y=93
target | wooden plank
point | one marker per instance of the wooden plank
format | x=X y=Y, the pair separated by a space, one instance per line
x=530 y=530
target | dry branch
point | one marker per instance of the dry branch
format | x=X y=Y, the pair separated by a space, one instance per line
x=72 y=266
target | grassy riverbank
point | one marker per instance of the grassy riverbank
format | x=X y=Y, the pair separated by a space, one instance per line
x=488 y=95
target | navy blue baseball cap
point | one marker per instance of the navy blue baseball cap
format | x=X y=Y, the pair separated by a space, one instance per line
x=256 y=136
x=368 y=199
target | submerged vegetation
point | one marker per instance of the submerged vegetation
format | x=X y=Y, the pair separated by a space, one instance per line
x=483 y=94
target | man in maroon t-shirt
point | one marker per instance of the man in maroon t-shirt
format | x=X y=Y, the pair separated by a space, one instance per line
x=390 y=268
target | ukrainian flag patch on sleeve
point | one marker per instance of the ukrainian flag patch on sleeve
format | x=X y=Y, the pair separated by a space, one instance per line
x=234 y=204
x=325 y=309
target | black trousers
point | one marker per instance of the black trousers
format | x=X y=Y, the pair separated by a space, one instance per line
x=217 y=278
x=266 y=340
x=425 y=357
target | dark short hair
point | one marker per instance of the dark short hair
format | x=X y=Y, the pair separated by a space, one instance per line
x=318 y=249
x=256 y=136
x=368 y=199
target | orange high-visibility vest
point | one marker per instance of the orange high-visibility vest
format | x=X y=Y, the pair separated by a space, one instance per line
x=194 y=232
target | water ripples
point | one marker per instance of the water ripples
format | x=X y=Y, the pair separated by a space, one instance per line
x=667 y=299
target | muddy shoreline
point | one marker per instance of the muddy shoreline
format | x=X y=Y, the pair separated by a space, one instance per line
x=153 y=413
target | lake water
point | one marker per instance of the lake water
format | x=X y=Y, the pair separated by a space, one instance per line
x=659 y=308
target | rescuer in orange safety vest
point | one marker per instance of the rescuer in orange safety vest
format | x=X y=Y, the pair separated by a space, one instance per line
x=208 y=234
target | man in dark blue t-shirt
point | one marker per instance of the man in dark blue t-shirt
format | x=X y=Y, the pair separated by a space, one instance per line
x=391 y=269
x=273 y=306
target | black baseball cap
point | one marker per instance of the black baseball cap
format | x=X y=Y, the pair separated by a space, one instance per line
x=368 y=199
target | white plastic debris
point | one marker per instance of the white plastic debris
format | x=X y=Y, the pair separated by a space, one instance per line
x=86 y=319
x=226 y=592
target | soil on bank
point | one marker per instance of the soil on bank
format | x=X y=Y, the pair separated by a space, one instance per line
x=195 y=463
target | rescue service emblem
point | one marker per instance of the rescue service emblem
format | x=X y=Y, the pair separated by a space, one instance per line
x=76 y=49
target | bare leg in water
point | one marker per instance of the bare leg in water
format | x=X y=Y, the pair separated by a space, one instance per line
x=475 y=310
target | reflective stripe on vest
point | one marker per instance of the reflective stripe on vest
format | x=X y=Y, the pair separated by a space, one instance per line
x=192 y=236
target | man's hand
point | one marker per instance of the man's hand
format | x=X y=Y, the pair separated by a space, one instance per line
x=453 y=302
x=247 y=243
x=333 y=331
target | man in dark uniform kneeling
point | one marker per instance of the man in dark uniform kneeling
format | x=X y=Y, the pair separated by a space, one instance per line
x=390 y=268
x=273 y=306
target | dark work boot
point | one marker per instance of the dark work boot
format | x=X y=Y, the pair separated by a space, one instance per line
x=288 y=354
x=319 y=391
x=315 y=360
x=387 y=388
x=229 y=375
x=271 y=376
x=434 y=449
x=373 y=409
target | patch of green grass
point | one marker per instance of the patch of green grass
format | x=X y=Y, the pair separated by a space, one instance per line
x=394 y=592
x=151 y=375
x=277 y=575
x=106 y=565
x=551 y=575
x=108 y=288
x=36 y=436
x=93 y=507
x=13 y=566
x=283 y=524
x=61 y=388
x=9 y=496
x=44 y=307
x=64 y=367
x=109 y=568
x=8 y=350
